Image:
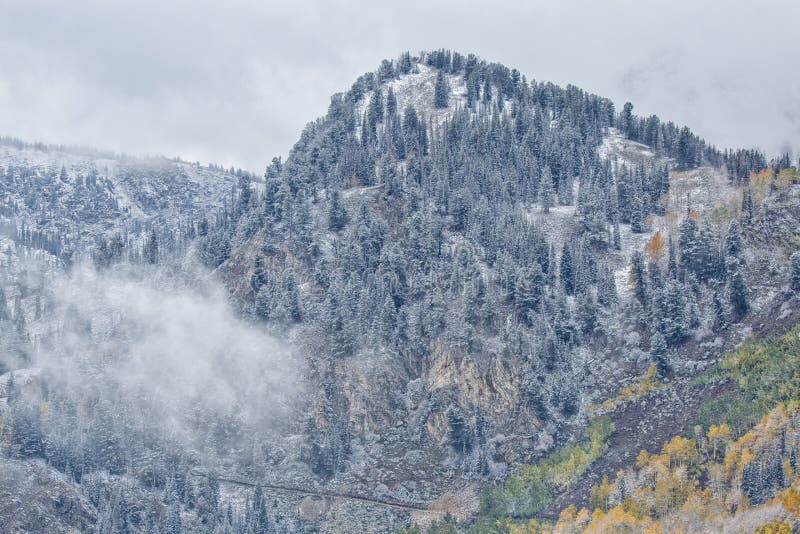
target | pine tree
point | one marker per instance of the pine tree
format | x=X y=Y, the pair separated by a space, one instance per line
x=586 y=313
x=616 y=238
x=626 y=120
x=637 y=278
x=208 y=500
x=606 y=287
x=528 y=288
x=487 y=92
x=566 y=270
x=150 y=252
x=375 y=109
x=720 y=319
x=259 y=276
x=737 y=294
x=404 y=63
x=658 y=351
x=391 y=103
x=794 y=276
x=388 y=320
x=337 y=214
x=747 y=204
x=4 y=313
x=687 y=244
x=546 y=190
x=459 y=434
x=258 y=521
x=733 y=241
x=638 y=212
x=672 y=262
x=441 y=91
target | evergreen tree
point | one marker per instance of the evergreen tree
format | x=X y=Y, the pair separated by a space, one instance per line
x=586 y=313
x=208 y=500
x=441 y=91
x=337 y=214
x=264 y=300
x=794 y=276
x=459 y=433
x=546 y=190
x=528 y=288
x=720 y=320
x=687 y=244
x=487 y=92
x=626 y=121
x=737 y=294
x=150 y=251
x=4 y=313
x=375 y=109
x=566 y=270
x=259 y=276
x=391 y=103
x=258 y=521
x=637 y=277
x=747 y=205
x=658 y=351
x=733 y=241
x=638 y=212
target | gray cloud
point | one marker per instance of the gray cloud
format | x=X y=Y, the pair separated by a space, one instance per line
x=235 y=82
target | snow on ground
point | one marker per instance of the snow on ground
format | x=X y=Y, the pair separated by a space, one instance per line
x=700 y=190
x=417 y=88
x=622 y=151
x=138 y=184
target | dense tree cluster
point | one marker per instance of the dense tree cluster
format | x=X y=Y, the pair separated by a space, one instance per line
x=399 y=229
x=407 y=231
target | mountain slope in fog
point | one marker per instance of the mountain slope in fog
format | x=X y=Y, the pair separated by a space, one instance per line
x=454 y=274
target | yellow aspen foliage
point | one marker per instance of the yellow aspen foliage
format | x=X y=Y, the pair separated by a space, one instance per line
x=718 y=438
x=532 y=527
x=774 y=527
x=599 y=495
x=568 y=514
x=789 y=176
x=616 y=521
x=568 y=524
x=731 y=460
x=693 y=491
x=629 y=505
x=761 y=178
x=681 y=451
x=655 y=246
x=583 y=517
x=790 y=500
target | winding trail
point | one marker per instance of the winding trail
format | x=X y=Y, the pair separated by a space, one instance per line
x=312 y=493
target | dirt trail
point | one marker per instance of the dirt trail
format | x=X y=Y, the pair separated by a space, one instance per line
x=321 y=493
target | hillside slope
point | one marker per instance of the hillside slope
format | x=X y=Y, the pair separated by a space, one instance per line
x=454 y=274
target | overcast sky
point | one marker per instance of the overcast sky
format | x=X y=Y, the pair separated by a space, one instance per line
x=235 y=81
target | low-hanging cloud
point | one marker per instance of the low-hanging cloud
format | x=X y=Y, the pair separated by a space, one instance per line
x=169 y=349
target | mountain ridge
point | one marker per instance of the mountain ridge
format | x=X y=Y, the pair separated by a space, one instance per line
x=465 y=262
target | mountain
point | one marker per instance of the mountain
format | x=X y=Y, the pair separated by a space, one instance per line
x=463 y=299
